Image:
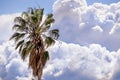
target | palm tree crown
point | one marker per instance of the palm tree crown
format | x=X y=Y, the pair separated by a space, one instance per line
x=33 y=36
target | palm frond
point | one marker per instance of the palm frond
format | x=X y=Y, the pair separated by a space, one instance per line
x=24 y=53
x=26 y=16
x=45 y=57
x=20 y=28
x=39 y=14
x=30 y=46
x=26 y=49
x=54 y=33
x=49 y=15
x=20 y=48
x=34 y=19
x=38 y=29
x=19 y=43
x=49 y=21
x=31 y=10
x=17 y=36
x=20 y=20
x=45 y=28
x=49 y=41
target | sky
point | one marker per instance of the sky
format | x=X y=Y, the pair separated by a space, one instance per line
x=88 y=46
x=15 y=6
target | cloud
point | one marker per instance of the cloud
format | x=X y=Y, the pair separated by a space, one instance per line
x=6 y=24
x=115 y=29
x=83 y=24
x=72 y=61
x=11 y=65
x=97 y=28
x=67 y=61
x=88 y=50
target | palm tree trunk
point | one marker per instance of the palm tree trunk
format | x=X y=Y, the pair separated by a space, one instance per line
x=40 y=65
x=40 y=69
x=39 y=75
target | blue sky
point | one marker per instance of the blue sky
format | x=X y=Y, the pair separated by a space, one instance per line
x=102 y=1
x=15 y=6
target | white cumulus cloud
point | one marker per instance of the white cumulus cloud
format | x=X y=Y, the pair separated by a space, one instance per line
x=88 y=50
x=82 y=23
x=68 y=61
x=72 y=61
x=6 y=24
x=11 y=65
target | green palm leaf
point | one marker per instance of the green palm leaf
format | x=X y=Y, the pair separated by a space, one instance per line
x=45 y=57
x=47 y=23
x=26 y=16
x=50 y=16
x=17 y=36
x=19 y=43
x=20 y=48
x=28 y=47
x=20 y=20
x=24 y=53
x=49 y=41
x=20 y=28
x=39 y=14
x=54 y=33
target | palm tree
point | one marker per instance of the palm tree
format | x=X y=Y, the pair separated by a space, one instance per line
x=33 y=36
